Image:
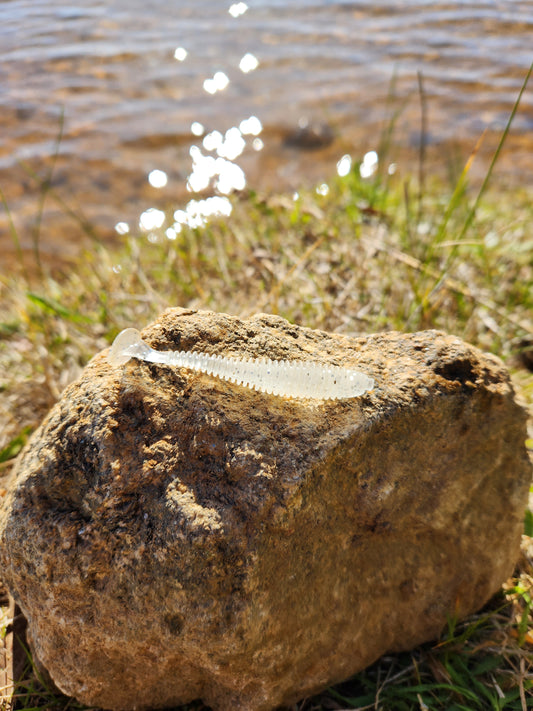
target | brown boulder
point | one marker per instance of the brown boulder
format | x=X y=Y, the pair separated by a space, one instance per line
x=173 y=536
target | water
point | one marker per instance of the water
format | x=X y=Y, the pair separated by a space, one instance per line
x=124 y=81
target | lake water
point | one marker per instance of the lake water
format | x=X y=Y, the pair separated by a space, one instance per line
x=135 y=86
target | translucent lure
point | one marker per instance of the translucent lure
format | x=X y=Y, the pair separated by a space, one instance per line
x=296 y=379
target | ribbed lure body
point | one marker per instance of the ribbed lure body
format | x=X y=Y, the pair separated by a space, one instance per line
x=279 y=377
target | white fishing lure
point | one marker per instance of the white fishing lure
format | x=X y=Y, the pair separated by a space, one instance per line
x=278 y=377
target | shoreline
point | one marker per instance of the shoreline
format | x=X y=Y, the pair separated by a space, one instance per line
x=80 y=207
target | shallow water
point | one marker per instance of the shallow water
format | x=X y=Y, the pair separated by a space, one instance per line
x=131 y=78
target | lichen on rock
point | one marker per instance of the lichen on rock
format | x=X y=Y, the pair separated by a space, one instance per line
x=172 y=536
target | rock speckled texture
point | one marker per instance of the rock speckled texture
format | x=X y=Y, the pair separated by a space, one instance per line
x=172 y=536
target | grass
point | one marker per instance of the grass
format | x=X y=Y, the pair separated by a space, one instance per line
x=394 y=251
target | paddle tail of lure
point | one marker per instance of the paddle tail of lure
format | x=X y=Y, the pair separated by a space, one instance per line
x=285 y=378
x=128 y=344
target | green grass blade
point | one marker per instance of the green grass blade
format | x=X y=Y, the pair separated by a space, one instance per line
x=14 y=233
x=11 y=449
x=495 y=157
x=44 y=190
x=52 y=306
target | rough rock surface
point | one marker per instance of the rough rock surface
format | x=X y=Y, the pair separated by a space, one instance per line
x=173 y=536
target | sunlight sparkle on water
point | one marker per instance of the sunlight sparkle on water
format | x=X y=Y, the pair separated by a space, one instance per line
x=344 y=165
x=180 y=54
x=369 y=165
x=172 y=232
x=218 y=83
x=231 y=177
x=157 y=178
x=151 y=219
x=251 y=126
x=212 y=140
x=203 y=169
x=257 y=144
x=197 y=129
x=122 y=228
x=197 y=212
x=238 y=8
x=248 y=63
x=233 y=144
x=226 y=176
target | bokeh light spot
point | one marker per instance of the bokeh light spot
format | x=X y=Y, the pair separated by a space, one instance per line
x=197 y=128
x=237 y=9
x=248 y=63
x=344 y=166
x=180 y=54
x=369 y=165
x=157 y=178
x=151 y=219
x=122 y=228
x=251 y=126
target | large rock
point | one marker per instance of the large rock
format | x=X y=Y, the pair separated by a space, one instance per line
x=174 y=536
